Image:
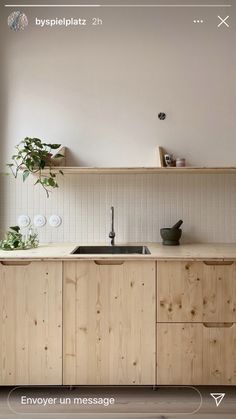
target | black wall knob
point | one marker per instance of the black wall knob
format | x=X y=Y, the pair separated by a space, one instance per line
x=162 y=116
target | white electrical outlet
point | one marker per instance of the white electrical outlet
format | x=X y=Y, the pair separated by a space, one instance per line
x=39 y=220
x=23 y=220
x=55 y=221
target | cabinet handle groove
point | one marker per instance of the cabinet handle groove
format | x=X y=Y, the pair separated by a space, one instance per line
x=109 y=262
x=218 y=263
x=15 y=263
x=218 y=325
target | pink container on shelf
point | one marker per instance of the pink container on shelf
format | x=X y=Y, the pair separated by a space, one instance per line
x=180 y=162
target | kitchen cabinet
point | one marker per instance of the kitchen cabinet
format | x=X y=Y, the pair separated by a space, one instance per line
x=31 y=323
x=196 y=323
x=219 y=354
x=109 y=322
x=114 y=321
x=196 y=291
x=179 y=353
x=196 y=354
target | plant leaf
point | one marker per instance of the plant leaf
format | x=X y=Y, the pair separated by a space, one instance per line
x=54 y=146
x=15 y=228
x=25 y=174
x=51 y=182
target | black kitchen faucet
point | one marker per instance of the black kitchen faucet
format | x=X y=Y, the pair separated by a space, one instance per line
x=112 y=233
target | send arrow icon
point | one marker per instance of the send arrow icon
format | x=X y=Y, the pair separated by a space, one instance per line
x=218 y=397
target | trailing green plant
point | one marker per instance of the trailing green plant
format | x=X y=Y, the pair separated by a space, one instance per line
x=15 y=240
x=32 y=155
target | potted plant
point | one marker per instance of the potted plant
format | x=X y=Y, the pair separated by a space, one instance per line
x=15 y=240
x=32 y=155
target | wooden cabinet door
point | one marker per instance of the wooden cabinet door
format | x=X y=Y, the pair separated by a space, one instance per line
x=196 y=291
x=179 y=354
x=179 y=291
x=196 y=354
x=219 y=291
x=109 y=323
x=219 y=354
x=31 y=323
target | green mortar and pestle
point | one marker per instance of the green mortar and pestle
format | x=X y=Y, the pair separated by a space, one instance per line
x=171 y=236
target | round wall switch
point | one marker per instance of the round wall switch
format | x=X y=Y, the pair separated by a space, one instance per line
x=54 y=221
x=23 y=220
x=39 y=220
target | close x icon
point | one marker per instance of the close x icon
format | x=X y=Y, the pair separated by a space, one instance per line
x=223 y=21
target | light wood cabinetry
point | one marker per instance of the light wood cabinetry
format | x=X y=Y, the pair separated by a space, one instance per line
x=31 y=323
x=196 y=323
x=219 y=354
x=109 y=322
x=131 y=322
x=196 y=291
x=179 y=353
x=196 y=354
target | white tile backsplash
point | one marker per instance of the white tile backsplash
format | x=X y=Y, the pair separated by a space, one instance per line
x=143 y=204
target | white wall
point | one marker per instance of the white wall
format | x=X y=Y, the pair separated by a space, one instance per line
x=99 y=90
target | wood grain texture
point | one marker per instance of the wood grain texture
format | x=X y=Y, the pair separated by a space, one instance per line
x=186 y=252
x=192 y=354
x=219 y=355
x=179 y=354
x=219 y=293
x=179 y=286
x=145 y=170
x=31 y=324
x=196 y=292
x=109 y=323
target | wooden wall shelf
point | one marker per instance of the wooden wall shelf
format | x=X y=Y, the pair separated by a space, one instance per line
x=145 y=170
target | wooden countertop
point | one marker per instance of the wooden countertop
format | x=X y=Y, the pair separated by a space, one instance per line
x=62 y=251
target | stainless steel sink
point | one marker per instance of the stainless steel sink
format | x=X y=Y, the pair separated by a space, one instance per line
x=111 y=250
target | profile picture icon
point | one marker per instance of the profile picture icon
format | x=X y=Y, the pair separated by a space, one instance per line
x=17 y=21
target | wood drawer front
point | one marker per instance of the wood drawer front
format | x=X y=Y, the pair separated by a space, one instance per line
x=179 y=353
x=196 y=292
x=109 y=323
x=193 y=354
x=31 y=323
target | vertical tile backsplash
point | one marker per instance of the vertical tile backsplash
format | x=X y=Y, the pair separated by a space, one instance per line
x=143 y=204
